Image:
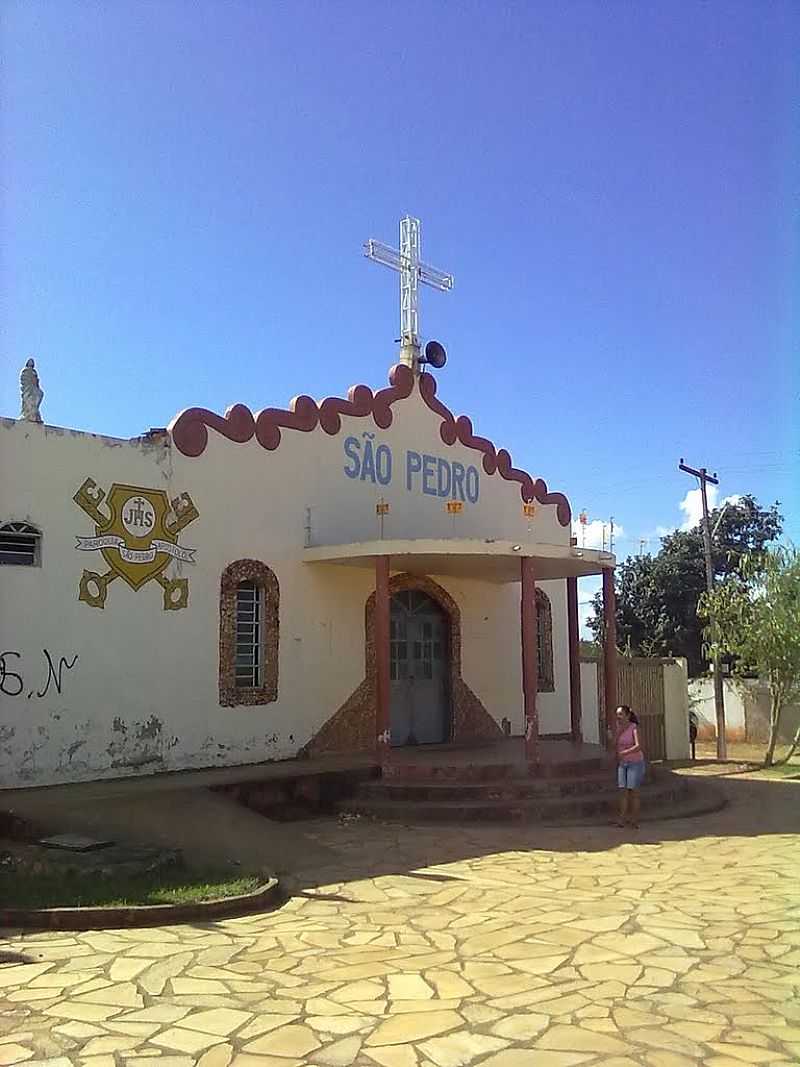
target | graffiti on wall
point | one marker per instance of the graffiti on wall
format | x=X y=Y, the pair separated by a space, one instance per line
x=136 y=531
x=12 y=677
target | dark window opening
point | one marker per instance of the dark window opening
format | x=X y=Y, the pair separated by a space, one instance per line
x=19 y=544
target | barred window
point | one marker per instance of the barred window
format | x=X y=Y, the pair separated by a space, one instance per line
x=248 y=634
x=20 y=544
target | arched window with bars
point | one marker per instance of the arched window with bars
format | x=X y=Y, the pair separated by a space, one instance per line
x=248 y=634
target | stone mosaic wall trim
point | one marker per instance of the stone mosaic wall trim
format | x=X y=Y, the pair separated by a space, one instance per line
x=248 y=570
x=544 y=628
x=353 y=726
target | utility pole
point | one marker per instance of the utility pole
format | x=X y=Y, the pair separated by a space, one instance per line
x=719 y=697
x=611 y=537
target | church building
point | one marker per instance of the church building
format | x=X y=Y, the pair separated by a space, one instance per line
x=351 y=575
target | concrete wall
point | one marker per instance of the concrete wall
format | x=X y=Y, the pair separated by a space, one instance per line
x=676 y=710
x=133 y=688
x=747 y=711
x=491 y=660
x=676 y=706
x=701 y=700
x=758 y=714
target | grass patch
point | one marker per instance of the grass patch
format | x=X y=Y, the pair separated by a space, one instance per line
x=23 y=890
x=781 y=770
x=744 y=752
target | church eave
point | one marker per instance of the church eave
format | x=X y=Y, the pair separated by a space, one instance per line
x=189 y=429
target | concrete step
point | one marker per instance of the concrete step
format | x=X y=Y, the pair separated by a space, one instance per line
x=462 y=772
x=602 y=803
x=456 y=772
x=517 y=788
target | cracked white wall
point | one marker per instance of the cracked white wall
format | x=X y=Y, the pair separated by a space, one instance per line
x=142 y=694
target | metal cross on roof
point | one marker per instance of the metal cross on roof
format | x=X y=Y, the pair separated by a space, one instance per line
x=412 y=272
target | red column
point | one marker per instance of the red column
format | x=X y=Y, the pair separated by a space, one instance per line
x=610 y=646
x=576 y=729
x=382 y=690
x=530 y=658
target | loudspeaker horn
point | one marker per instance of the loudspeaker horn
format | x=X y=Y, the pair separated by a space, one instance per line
x=435 y=355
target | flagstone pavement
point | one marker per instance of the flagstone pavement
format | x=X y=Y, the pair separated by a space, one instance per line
x=452 y=946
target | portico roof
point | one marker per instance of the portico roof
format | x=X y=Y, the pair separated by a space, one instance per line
x=487 y=560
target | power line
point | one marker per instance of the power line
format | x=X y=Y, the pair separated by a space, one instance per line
x=706 y=479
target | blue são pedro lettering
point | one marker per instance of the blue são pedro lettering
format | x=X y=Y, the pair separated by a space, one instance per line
x=369 y=464
x=431 y=475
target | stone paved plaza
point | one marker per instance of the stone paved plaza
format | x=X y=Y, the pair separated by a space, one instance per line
x=448 y=946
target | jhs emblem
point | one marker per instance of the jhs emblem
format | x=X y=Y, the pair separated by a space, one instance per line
x=137 y=538
x=138 y=517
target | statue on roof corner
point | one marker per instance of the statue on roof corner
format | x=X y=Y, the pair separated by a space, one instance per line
x=31 y=392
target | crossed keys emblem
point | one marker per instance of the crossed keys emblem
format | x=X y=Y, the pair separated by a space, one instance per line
x=137 y=535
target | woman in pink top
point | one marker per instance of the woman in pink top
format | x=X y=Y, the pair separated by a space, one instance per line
x=630 y=766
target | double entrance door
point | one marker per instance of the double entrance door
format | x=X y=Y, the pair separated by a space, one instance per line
x=419 y=670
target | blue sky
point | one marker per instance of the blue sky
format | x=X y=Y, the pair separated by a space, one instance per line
x=614 y=186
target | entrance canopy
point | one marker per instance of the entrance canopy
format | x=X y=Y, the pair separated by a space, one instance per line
x=487 y=560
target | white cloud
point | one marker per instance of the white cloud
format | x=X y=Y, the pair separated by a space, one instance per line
x=587 y=587
x=591 y=535
x=692 y=505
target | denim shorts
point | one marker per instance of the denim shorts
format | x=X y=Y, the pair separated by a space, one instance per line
x=630 y=775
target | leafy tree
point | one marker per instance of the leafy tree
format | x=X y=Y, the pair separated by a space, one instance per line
x=590 y=650
x=744 y=529
x=657 y=595
x=755 y=618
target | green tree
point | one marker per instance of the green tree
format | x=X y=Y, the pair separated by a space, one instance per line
x=657 y=595
x=755 y=619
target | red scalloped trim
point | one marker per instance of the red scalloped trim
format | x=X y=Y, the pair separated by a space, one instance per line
x=303 y=415
x=460 y=429
x=190 y=428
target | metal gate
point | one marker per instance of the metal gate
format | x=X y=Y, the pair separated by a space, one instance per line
x=640 y=685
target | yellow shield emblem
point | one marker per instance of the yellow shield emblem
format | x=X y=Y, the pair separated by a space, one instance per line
x=137 y=520
x=136 y=531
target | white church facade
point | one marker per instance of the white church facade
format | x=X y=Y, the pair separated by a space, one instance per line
x=348 y=576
